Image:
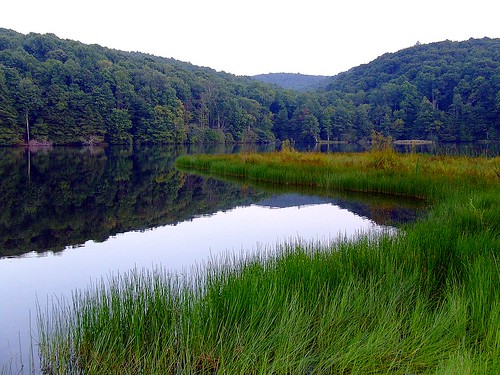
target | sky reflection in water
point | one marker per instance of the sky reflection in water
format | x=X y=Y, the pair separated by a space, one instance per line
x=175 y=247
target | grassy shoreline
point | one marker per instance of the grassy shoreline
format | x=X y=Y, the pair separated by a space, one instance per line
x=423 y=301
x=412 y=175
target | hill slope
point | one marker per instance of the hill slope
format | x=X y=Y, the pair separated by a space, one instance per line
x=446 y=90
x=65 y=92
x=71 y=93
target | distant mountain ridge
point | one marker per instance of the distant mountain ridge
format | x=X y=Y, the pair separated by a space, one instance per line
x=293 y=81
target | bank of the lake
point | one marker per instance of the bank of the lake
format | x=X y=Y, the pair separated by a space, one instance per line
x=423 y=301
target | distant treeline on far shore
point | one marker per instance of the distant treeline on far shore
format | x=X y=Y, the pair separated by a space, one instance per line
x=55 y=91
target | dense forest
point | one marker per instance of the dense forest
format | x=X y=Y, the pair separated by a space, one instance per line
x=448 y=91
x=64 y=92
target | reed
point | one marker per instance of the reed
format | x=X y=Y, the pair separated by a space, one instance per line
x=383 y=171
x=425 y=300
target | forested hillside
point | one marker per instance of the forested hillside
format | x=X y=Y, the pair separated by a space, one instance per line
x=449 y=91
x=72 y=93
x=64 y=92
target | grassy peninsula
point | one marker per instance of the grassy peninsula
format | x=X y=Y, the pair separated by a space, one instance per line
x=423 y=301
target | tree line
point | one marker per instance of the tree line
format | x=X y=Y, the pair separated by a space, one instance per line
x=447 y=91
x=65 y=92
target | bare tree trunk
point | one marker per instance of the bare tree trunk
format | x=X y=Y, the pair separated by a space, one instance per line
x=27 y=129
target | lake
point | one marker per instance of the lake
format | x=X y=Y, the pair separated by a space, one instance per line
x=71 y=216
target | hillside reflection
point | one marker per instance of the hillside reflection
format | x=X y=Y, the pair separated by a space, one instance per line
x=60 y=197
x=74 y=195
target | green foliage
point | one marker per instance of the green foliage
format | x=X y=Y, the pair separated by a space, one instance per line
x=89 y=94
x=382 y=154
x=380 y=142
x=9 y=129
x=120 y=124
x=445 y=90
x=442 y=91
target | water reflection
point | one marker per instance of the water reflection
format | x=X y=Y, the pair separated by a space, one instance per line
x=473 y=149
x=382 y=209
x=74 y=195
x=114 y=209
x=70 y=196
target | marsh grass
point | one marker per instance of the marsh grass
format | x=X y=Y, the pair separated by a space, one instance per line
x=425 y=300
x=383 y=171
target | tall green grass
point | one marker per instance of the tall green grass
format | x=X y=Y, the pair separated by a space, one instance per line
x=381 y=171
x=423 y=301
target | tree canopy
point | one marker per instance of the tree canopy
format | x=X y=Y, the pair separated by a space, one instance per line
x=65 y=92
x=449 y=91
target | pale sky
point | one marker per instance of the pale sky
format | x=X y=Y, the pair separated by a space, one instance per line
x=258 y=36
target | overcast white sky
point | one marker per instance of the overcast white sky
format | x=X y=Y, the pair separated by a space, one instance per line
x=258 y=36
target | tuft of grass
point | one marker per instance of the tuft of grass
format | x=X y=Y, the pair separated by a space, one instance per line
x=425 y=300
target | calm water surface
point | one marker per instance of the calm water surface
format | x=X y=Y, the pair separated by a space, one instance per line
x=69 y=217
